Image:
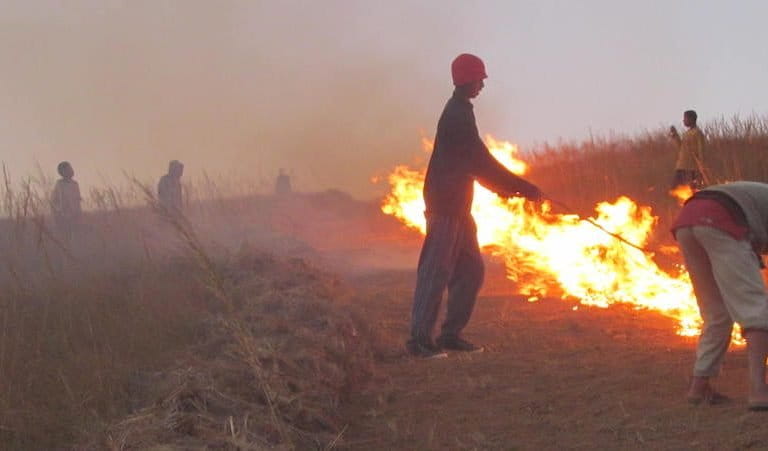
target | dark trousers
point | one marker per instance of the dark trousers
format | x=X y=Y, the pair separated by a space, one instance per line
x=449 y=259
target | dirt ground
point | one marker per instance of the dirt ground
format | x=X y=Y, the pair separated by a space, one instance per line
x=553 y=376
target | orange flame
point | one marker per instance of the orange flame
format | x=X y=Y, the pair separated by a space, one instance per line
x=681 y=193
x=550 y=254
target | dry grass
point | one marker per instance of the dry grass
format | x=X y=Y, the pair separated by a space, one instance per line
x=146 y=332
x=601 y=169
x=138 y=333
x=271 y=372
x=641 y=166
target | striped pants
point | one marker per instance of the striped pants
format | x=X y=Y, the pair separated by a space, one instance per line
x=450 y=258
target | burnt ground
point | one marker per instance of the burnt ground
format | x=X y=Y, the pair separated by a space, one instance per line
x=552 y=377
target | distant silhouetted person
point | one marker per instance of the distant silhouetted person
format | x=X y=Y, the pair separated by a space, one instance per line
x=65 y=201
x=169 y=188
x=283 y=184
x=689 y=169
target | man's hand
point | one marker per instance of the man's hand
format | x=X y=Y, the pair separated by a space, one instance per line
x=673 y=132
x=531 y=192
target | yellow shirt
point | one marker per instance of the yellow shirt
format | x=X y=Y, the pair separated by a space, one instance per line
x=691 y=154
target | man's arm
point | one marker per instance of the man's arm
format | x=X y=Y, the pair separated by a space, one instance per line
x=496 y=177
x=461 y=131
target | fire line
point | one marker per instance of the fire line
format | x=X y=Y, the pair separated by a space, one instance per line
x=562 y=255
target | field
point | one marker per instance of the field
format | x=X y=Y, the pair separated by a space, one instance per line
x=260 y=322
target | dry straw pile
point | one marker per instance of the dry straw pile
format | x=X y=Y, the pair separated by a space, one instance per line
x=269 y=372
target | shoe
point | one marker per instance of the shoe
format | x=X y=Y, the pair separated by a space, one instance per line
x=452 y=343
x=424 y=350
x=758 y=406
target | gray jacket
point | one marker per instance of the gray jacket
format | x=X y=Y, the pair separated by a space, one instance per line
x=752 y=197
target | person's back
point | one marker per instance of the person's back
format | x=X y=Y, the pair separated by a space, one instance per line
x=459 y=158
x=169 y=191
x=449 y=185
x=691 y=155
x=283 y=184
x=66 y=200
x=752 y=199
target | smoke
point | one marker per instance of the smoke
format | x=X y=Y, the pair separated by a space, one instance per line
x=236 y=88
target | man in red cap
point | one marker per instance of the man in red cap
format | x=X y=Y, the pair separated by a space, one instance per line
x=450 y=257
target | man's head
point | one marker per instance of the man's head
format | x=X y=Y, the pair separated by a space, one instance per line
x=468 y=72
x=65 y=170
x=175 y=168
x=689 y=118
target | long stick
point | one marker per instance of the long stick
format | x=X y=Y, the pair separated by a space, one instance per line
x=615 y=235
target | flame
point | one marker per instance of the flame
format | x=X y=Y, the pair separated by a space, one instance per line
x=427 y=144
x=549 y=254
x=681 y=193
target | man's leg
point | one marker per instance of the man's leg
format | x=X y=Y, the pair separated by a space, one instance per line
x=462 y=292
x=436 y=263
x=716 y=330
x=463 y=287
x=737 y=272
x=757 y=352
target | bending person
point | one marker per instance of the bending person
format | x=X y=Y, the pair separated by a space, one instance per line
x=721 y=231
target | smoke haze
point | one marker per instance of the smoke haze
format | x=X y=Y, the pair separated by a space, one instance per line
x=340 y=91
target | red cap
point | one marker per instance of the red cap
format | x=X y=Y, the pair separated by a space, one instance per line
x=467 y=68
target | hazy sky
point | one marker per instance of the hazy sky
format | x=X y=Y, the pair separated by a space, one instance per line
x=339 y=91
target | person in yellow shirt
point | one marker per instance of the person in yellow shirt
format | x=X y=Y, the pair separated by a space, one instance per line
x=689 y=169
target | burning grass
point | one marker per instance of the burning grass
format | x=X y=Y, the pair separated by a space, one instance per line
x=609 y=257
x=123 y=341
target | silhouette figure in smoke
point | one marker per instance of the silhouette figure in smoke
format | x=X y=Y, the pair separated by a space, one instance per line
x=283 y=184
x=169 y=188
x=65 y=202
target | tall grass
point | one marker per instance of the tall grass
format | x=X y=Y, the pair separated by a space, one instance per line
x=84 y=324
x=641 y=166
x=79 y=321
